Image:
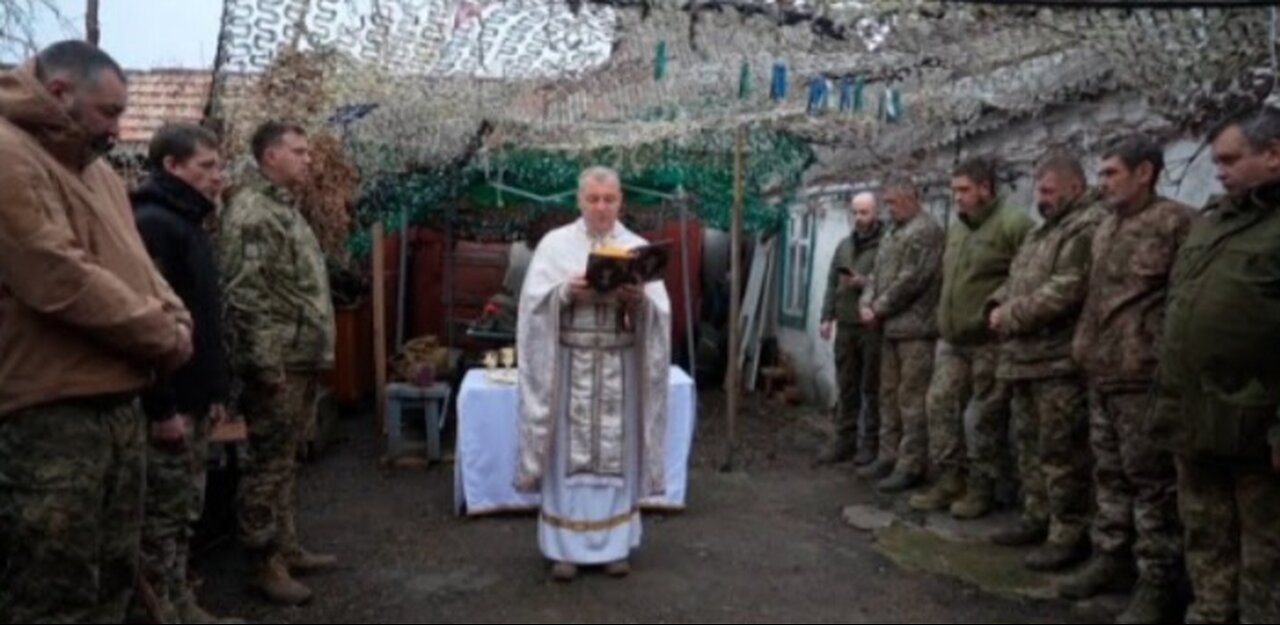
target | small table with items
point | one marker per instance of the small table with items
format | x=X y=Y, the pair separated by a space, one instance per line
x=485 y=467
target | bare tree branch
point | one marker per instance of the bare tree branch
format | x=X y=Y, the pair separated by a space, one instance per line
x=18 y=21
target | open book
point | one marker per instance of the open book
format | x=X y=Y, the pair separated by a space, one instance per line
x=610 y=268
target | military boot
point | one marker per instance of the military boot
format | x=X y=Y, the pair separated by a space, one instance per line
x=898 y=482
x=1056 y=557
x=877 y=470
x=301 y=561
x=1104 y=573
x=273 y=580
x=976 y=502
x=941 y=495
x=1152 y=602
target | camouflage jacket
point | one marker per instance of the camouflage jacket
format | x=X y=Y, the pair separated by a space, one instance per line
x=1116 y=337
x=1041 y=300
x=1219 y=379
x=279 y=311
x=904 y=287
x=980 y=249
x=856 y=253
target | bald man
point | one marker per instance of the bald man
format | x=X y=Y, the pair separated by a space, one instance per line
x=857 y=346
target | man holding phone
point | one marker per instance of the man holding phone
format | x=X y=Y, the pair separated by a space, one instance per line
x=857 y=347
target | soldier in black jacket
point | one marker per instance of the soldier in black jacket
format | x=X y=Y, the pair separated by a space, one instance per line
x=180 y=191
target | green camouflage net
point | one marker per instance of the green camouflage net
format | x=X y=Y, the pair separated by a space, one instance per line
x=497 y=196
x=463 y=94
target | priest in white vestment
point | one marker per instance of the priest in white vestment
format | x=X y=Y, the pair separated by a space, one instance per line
x=593 y=390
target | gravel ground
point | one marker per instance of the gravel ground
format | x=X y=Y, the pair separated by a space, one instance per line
x=761 y=543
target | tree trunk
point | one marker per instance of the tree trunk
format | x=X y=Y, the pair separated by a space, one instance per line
x=92 y=32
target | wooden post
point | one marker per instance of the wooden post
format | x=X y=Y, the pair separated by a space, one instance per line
x=92 y=30
x=733 y=381
x=377 y=257
x=402 y=279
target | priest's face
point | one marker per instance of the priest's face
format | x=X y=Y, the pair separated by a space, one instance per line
x=600 y=201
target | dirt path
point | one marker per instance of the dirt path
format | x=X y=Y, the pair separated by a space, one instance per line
x=764 y=543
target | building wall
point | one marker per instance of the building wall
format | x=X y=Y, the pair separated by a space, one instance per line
x=814 y=357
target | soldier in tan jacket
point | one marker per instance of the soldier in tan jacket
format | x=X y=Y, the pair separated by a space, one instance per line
x=86 y=323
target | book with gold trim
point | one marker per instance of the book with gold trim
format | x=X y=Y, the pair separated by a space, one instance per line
x=611 y=267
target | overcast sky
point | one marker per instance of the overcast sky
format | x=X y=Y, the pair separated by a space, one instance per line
x=143 y=34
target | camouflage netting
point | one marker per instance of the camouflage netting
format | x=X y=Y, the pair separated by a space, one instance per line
x=422 y=92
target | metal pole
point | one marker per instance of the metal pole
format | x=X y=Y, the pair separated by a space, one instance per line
x=402 y=277
x=734 y=378
x=379 y=329
x=684 y=271
x=448 y=273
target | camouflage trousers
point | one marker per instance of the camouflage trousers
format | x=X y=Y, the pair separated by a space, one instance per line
x=1134 y=484
x=858 y=381
x=175 y=500
x=71 y=495
x=267 y=497
x=905 y=367
x=965 y=373
x=1231 y=511
x=1051 y=424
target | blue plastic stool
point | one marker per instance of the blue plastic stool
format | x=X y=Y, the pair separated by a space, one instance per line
x=432 y=400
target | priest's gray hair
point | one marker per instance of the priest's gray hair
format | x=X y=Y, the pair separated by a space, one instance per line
x=598 y=173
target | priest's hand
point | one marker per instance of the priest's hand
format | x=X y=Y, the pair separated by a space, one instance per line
x=528 y=485
x=631 y=295
x=579 y=290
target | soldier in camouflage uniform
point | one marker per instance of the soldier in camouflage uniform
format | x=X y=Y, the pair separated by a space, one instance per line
x=1219 y=382
x=1115 y=343
x=857 y=347
x=901 y=300
x=1035 y=312
x=280 y=321
x=981 y=245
